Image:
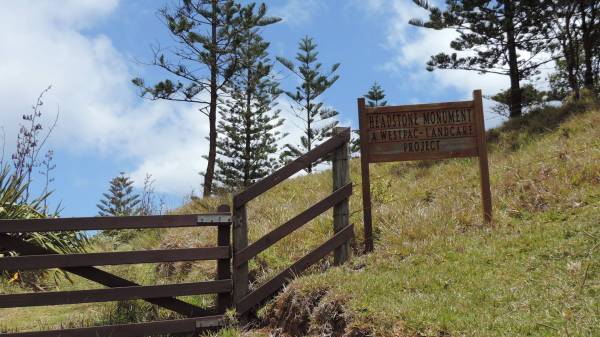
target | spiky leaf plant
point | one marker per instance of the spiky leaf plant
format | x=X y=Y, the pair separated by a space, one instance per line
x=12 y=189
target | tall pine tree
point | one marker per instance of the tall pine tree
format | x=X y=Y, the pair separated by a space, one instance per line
x=496 y=32
x=248 y=129
x=203 y=62
x=318 y=120
x=120 y=199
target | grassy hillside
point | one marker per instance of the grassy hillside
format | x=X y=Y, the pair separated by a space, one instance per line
x=437 y=270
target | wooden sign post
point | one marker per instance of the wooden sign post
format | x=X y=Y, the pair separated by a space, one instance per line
x=421 y=132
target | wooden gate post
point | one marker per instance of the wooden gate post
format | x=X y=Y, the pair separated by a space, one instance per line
x=366 y=182
x=484 y=171
x=240 y=241
x=224 y=265
x=341 y=176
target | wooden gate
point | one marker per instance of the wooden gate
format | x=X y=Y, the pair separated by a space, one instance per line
x=32 y=257
x=336 y=149
x=229 y=293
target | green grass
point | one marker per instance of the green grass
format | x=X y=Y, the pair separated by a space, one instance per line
x=535 y=278
x=437 y=269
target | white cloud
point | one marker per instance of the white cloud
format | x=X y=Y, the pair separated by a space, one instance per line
x=66 y=14
x=371 y=6
x=99 y=110
x=298 y=12
x=169 y=141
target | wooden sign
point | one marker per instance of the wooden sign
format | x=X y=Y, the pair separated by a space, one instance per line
x=422 y=132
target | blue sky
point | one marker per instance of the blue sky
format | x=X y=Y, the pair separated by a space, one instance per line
x=89 y=51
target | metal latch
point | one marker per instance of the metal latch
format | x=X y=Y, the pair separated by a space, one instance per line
x=214 y=218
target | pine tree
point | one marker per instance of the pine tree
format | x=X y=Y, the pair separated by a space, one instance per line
x=375 y=96
x=207 y=38
x=318 y=120
x=120 y=199
x=248 y=132
x=572 y=32
x=496 y=32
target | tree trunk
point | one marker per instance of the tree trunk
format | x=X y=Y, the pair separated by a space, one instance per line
x=248 y=144
x=572 y=75
x=571 y=51
x=212 y=114
x=513 y=64
x=587 y=28
x=309 y=133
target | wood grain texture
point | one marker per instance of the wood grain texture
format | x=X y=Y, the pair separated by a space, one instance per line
x=419 y=107
x=484 y=171
x=365 y=158
x=240 y=242
x=31 y=262
x=419 y=132
x=340 y=171
x=224 y=300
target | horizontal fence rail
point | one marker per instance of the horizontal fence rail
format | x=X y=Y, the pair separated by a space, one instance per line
x=32 y=262
x=117 y=222
x=113 y=294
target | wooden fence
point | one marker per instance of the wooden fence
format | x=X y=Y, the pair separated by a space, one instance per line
x=32 y=256
x=232 y=290
x=336 y=149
